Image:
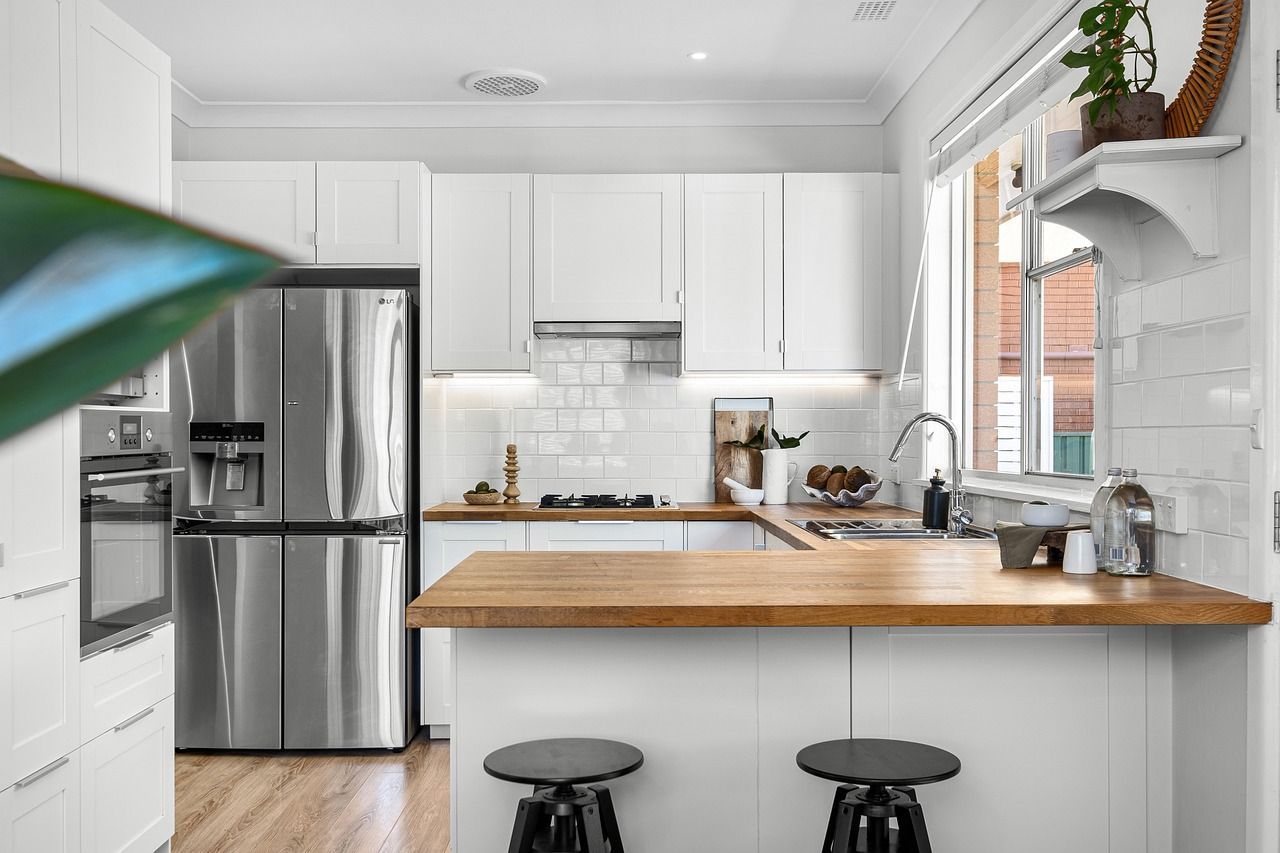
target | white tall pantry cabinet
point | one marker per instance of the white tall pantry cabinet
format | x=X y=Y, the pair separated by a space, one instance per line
x=83 y=98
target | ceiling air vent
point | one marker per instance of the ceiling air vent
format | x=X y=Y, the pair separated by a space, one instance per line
x=874 y=10
x=505 y=82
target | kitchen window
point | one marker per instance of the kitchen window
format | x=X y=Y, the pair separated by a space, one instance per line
x=1030 y=315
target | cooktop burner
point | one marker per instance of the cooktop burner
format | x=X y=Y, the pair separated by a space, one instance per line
x=599 y=502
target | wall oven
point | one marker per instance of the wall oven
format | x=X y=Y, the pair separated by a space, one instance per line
x=126 y=525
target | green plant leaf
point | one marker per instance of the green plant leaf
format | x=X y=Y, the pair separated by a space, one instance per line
x=91 y=287
x=788 y=443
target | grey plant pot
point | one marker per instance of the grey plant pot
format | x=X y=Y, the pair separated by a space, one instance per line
x=1138 y=116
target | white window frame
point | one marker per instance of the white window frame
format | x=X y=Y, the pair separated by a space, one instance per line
x=1074 y=489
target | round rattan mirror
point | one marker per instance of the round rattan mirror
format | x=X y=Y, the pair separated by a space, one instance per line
x=1187 y=115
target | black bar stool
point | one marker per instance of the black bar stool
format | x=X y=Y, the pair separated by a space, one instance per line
x=560 y=817
x=888 y=768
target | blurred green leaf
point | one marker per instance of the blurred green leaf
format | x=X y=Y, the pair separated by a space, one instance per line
x=91 y=287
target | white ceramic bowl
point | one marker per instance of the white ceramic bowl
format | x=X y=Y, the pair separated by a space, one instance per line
x=1045 y=515
x=846 y=497
x=746 y=497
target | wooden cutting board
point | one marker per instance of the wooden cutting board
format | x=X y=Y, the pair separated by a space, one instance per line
x=739 y=463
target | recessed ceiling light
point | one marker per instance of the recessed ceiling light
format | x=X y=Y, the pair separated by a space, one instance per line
x=698 y=55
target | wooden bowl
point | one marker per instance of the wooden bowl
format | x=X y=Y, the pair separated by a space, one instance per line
x=485 y=499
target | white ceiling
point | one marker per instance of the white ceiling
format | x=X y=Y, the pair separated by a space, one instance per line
x=592 y=52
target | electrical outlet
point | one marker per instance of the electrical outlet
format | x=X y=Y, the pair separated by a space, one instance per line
x=1171 y=512
x=895 y=473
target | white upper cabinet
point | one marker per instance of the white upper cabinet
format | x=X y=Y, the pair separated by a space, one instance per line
x=606 y=247
x=368 y=213
x=40 y=505
x=122 y=115
x=31 y=82
x=733 y=272
x=270 y=204
x=480 y=272
x=833 y=234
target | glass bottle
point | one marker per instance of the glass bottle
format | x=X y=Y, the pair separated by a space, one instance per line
x=1129 y=529
x=1098 y=510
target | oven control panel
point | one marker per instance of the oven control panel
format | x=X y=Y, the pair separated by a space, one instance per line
x=130 y=432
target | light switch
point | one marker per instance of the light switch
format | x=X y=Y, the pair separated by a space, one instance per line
x=1171 y=512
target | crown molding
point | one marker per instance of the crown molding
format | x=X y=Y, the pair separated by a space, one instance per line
x=197 y=113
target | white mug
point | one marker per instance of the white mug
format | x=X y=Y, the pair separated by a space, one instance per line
x=1079 y=558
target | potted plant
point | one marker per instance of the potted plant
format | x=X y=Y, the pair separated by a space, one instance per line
x=1119 y=75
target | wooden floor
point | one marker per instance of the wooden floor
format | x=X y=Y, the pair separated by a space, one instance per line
x=375 y=801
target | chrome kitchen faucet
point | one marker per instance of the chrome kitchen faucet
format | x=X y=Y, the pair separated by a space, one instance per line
x=961 y=517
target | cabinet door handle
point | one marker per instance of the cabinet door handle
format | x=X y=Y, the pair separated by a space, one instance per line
x=41 y=590
x=609 y=521
x=42 y=772
x=135 y=718
x=131 y=643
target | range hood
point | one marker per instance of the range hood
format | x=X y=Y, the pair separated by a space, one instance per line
x=643 y=331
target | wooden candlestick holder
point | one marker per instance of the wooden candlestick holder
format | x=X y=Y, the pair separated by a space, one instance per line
x=512 y=491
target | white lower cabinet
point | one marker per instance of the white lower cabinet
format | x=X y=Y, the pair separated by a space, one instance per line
x=126 y=782
x=41 y=812
x=606 y=535
x=117 y=683
x=775 y=543
x=40 y=669
x=720 y=536
x=445 y=544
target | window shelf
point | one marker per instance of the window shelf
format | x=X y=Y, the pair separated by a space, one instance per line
x=1106 y=194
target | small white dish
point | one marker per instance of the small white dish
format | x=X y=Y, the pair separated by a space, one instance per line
x=746 y=497
x=1045 y=515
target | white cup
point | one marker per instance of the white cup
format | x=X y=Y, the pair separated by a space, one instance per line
x=1080 y=558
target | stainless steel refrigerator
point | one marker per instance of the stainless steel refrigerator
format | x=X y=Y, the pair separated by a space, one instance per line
x=294 y=539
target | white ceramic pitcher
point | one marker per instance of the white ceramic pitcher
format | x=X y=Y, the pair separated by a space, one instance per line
x=778 y=474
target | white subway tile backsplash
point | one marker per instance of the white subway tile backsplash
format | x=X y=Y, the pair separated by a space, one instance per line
x=488 y=420
x=1226 y=344
x=664 y=374
x=653 y=397
x=1128 y=313
x=606 y=442
x=627 y=373
x=560 y=443
x=1162 y=402
x=653 y=443
x=581 y=466
x=609 y=351
x=627 y=466
x=1206 y=293
x=1162 y=304
x=626 y=420
x=694 y=443
x=665 y=351
x=562 y=350
x=1182 y=351
x=607 y=397
x=532 y=420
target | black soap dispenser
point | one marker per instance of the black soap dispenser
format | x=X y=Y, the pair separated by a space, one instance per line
x=937 y=503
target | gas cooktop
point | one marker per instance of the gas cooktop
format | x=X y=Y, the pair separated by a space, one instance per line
x=602 y=502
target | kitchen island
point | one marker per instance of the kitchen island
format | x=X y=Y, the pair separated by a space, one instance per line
x=1053 y=689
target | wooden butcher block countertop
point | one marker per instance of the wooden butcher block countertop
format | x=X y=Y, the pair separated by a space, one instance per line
x=824 y=583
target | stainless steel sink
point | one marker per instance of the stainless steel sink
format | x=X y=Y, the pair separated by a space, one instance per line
x=898 y=529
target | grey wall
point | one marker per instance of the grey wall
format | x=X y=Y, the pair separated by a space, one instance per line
x=561 y=149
